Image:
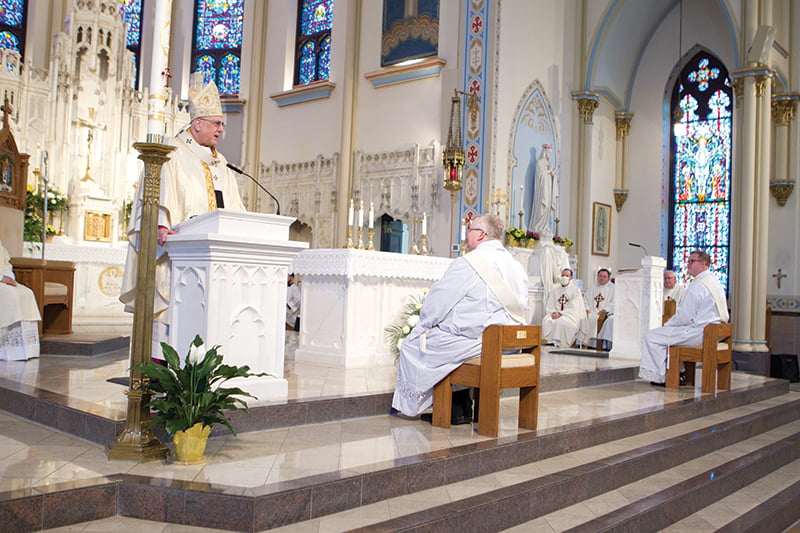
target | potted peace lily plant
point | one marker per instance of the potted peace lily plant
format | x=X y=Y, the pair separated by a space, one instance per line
x=189 y=398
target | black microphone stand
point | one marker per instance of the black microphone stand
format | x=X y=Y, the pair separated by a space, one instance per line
x=240 y=171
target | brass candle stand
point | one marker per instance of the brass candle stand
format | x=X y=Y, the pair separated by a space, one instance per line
x=349 y=242
x=360 y=243
x=370 y=237
x=423 y=244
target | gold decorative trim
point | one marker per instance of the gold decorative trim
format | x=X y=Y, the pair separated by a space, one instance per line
x=783 y=109
x=623 y=124
x=97 y=226
x=781 y=190
x=620 y=195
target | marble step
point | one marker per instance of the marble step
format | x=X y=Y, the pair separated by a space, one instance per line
x=290 y=503
x=535 y=502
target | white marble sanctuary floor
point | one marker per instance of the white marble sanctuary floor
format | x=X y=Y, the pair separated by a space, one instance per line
x=34 y=456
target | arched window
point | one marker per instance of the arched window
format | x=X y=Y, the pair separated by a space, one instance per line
x=313 y=43
x=700 y=188
x=12 y=25
x=217 y=48
x=132 y=15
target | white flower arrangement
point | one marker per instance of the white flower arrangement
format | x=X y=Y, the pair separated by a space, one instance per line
x=409 y=318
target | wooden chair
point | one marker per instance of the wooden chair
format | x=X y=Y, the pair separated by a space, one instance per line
x=494 y=371
x=715 y=353
x=670 y=306
x=52 y=284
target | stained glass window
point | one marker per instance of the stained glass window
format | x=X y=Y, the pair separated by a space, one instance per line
x=701 y=166
x=217 y=47
x=313 y=44
x=131 y=11
x=12 y=25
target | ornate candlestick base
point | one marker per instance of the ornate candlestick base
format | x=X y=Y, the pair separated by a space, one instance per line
x=349 y=242
x=370 y=236
x=423 y=244
x=360 y=243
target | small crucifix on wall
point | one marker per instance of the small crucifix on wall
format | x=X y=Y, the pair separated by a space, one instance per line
x=780 y=275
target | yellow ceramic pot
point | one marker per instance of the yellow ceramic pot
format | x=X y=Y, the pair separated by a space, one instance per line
x=190 y=444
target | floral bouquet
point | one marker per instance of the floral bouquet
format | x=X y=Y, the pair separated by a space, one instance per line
x=398 y=331
x=566 y=242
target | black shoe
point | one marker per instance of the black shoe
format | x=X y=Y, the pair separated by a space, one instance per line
x=683 y=379
x=454 y=420
x=657 y=384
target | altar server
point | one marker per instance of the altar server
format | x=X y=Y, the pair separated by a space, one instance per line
x=598 y=298
x=564 y=321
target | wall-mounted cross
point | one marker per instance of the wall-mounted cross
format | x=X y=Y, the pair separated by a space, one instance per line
x=780 y=275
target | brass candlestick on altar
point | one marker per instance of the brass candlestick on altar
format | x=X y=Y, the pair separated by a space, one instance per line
x=370 y=237
x=414 y=221
x=520 y=214
x=360 y=243
x=423 y=244
x=349 y=242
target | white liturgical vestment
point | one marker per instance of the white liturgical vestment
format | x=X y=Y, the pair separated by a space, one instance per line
x=675 y=293
x=184 y=194
x=571 y=325
x=19 y=332
x=598 y=298
x=696 y=310
x=456 y=310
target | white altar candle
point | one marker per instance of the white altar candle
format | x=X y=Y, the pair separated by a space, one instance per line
x=424 y=224
x=521 y=194
x=361 y=215
x=463 y=232
x=371 y=215
x=350 y=214
x=38 y=158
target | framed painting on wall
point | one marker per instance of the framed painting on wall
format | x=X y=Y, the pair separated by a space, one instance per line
x=601 y=229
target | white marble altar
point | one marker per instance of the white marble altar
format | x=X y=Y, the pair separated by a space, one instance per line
x=98 y=280
x=349 y=296
x=229 y=286
x=638 y=296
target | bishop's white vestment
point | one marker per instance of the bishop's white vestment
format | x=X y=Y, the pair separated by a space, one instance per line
x=456 y=310
x=598 y=298
x=19 y=314
x=571 y=325
x=696 y=310
x=188 y=181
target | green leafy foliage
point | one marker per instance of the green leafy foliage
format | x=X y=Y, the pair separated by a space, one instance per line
x=193 y=392
x=409 y=316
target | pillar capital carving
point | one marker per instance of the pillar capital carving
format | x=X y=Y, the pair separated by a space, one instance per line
x=761 y=75
x=623 y=123
x=587 y=104
x=738 y=88
x=620 y=195
x=784 y=107
x=781 y=190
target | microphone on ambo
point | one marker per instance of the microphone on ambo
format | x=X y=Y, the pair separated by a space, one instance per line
x=635 y=245
x=240 y=171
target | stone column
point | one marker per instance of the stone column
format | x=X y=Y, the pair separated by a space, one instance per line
x=623 y=123
x=784 y=107
x=761 y=267
x=587 y=104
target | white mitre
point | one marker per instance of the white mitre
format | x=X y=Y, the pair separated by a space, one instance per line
x=203 y=98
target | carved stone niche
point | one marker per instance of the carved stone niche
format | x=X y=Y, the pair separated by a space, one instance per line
x=13 y=167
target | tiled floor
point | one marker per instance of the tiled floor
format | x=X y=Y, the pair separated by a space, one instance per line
x=32 y=455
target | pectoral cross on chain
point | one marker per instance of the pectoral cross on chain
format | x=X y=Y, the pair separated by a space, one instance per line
x=599 y=298
x=563 y=300
x=780 y=275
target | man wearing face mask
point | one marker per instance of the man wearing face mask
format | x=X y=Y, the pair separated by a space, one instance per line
x=486 y=286
x=564 y=319
x=195 y=180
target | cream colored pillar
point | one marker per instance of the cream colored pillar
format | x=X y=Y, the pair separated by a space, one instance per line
x=784 y=107
x=623 y=123
x=763 y=171
x=587 y=104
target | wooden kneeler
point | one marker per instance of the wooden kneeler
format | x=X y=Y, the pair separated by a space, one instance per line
x=494 y=371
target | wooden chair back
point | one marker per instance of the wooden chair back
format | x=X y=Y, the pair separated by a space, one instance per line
x=494 y=371
x=670 y=306
x=716 y=355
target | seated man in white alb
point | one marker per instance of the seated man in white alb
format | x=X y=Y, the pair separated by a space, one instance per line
x=486 y=286
x=672 y=289
x=19 y=314
x=598 y=298
x=564 y=320
x=702 y=304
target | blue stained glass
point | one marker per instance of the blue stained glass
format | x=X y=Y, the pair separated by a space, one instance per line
x=325 y=59
x=205 y=64
x=229 y=74
x=316 y=16
x=701 y=168
x=11 y=12
x=219 y=24
x=9 y=41
x=132 y=14
x=308 y=64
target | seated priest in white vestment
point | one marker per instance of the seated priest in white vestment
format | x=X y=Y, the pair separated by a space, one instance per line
x=195 y=180
x=598 y=298
x=564 y=321
x=702 y=304
x=672 y=289
x=19 y=314
x=486 y=286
